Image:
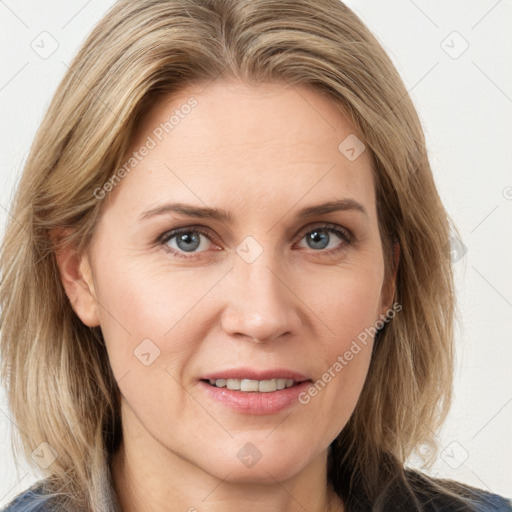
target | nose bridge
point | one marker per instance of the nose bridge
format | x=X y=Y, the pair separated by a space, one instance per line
x=258 y=303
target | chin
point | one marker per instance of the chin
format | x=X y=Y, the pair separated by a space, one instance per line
x=262 y=473
x=250 y=464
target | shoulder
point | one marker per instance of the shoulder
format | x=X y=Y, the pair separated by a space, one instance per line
x=34 y=499
x=436 y=495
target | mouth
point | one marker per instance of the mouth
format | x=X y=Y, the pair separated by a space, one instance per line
x=253 y=385
x=257 y=392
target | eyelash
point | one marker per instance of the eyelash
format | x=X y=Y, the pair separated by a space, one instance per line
x=163 y=239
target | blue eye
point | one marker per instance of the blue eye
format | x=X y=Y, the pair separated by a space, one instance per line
x=320 y=238
x=189 y=240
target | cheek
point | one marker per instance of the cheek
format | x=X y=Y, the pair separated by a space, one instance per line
x=349 y=307
x=147 y=307
x=153 y=285
x=131 y=312
x=346 y=300
x=147 y=322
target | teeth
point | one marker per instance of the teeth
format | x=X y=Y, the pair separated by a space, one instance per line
x=232 y=384
x=248 y=385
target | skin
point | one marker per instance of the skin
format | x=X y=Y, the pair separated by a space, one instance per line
x=262 y=152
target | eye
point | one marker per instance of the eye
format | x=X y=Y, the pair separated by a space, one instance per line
x=320 y=238
x=186 y=240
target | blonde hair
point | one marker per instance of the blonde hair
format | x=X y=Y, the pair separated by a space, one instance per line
x=60 y=386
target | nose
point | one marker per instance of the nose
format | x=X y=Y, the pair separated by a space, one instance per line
x=260 y=305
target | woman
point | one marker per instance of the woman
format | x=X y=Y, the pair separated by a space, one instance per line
x=212 y=297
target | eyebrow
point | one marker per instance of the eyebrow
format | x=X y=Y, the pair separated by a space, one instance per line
x=225 y=216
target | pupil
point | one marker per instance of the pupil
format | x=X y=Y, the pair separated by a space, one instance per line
x=319 y=237
x=188 y=239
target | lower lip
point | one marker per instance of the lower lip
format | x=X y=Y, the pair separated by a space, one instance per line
x=256 y=402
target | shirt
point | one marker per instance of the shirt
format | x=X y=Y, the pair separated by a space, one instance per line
x=32 y=500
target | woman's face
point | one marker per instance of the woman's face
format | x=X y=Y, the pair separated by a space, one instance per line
x=257 y=284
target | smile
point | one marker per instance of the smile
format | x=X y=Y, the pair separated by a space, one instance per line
x=250 y=385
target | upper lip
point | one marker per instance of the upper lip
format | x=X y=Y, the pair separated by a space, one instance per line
x=253 y=374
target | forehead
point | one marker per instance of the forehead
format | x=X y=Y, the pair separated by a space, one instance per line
x=231 y=143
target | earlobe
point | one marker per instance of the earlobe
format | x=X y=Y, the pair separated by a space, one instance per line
x=76 y=277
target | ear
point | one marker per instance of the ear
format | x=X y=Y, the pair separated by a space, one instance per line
x=388 y=289
x=76 y=276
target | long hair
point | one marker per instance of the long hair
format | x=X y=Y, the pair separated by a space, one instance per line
x=61 y=389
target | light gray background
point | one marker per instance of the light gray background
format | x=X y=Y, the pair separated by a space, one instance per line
x=464 y=98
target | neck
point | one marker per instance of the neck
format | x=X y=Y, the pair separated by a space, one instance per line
x=148 y=476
